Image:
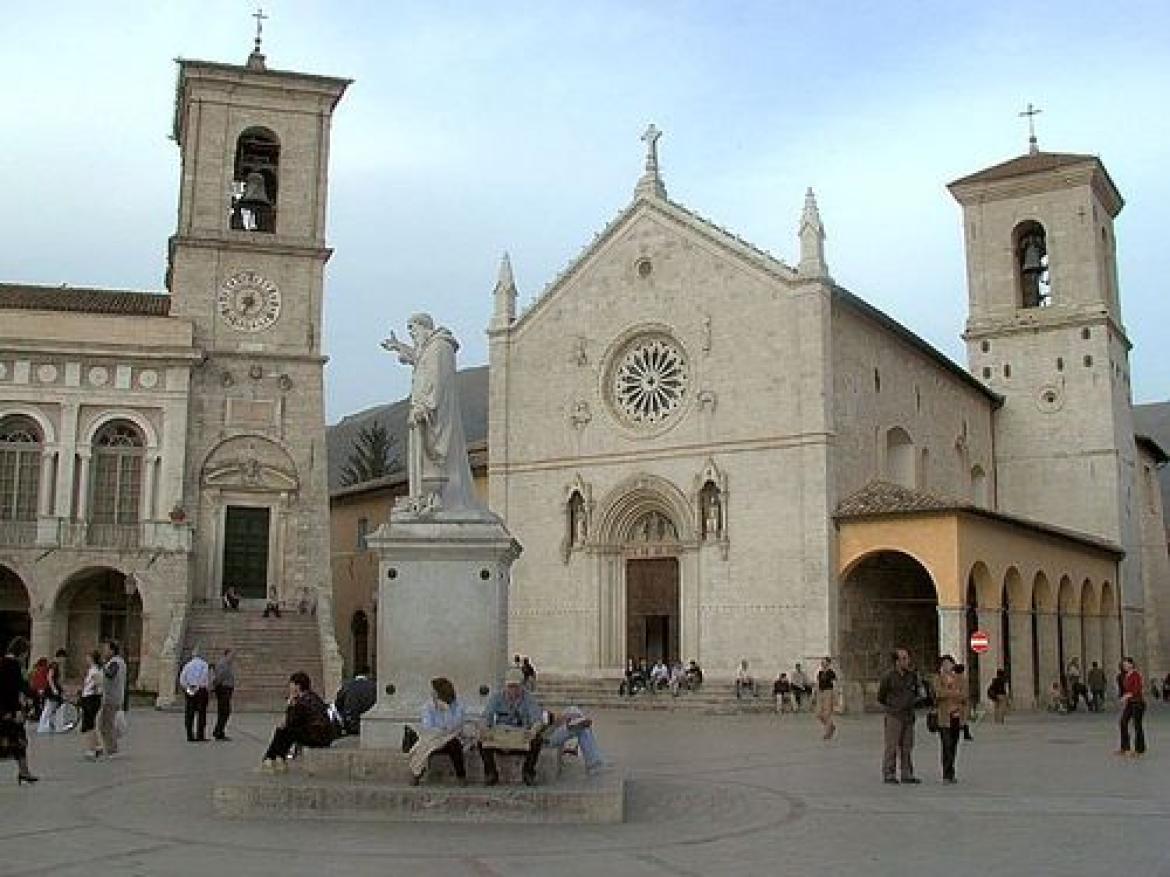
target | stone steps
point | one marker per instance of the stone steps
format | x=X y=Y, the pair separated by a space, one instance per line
x=267 y=651
x=714 y=698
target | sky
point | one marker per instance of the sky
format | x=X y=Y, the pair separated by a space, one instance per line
x=477 y=127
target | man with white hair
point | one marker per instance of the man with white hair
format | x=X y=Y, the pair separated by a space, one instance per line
x=195 y=680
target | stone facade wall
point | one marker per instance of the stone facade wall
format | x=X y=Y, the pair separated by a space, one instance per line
x=754 y=410
x=881 y=382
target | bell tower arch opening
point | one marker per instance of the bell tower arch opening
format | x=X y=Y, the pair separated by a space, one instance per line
x=1030 y=246
x=255 y=181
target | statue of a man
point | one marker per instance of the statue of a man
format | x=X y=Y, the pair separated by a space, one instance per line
x=437 y=468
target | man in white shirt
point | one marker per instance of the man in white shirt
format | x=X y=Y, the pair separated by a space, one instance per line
x=659 y=675
x=195 y=680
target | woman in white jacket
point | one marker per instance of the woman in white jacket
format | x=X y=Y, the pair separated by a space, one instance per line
x=442 y=729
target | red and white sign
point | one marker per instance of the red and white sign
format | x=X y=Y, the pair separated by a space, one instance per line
x=980 y=642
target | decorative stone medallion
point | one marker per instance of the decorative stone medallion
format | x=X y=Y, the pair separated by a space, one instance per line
x=648 y=380
x=248 y=301
x=46 y=373
x=1050 y=398
x=99 y=375
x=148 y=379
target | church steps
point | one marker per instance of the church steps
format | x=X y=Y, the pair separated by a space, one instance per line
x=717 y=698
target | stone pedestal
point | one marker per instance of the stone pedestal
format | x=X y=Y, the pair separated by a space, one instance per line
x=442 y=611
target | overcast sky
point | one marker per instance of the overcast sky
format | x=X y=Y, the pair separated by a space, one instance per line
x=477 y=127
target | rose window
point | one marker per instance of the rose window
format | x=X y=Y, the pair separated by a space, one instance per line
x=649 y=380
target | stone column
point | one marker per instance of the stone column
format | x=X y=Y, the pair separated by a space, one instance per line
x=146 y=504
x=1073 y=647
x=1023 y=673
x=1091 y=626
x=990 y=621
x=1049 y=669
x=47 y=491
x=81 y=513
x=952 y=632
x=41 y=634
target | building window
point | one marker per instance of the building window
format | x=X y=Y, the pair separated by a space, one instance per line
x=1030 y=245
x=900 y=457
x=649 y=380
x=363 y=530
x=20 y=463
x=256 y=181
x=115 y=506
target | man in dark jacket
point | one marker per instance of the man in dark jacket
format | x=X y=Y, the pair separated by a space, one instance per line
x=898 y=694
x=306 y=722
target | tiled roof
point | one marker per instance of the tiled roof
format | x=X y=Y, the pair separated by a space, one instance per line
x=884 y=498
x=880 y=498
x=92 y=301
x=1032 y=163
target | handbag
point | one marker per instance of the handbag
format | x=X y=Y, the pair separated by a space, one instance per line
x=932 y=721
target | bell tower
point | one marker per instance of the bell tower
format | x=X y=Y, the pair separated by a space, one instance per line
x=246 y=266
x=1044 y=330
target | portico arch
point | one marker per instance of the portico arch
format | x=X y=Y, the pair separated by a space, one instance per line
x=1017 y=635
x=99 y=603
x=1110 y=629
x=1090 y=625
x=888 y=600
x=1068 y=625
x=15 y=619
x=1045 y=634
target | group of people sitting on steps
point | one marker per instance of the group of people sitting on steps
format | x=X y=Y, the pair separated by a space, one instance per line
x=513 y=723
x=660 y=676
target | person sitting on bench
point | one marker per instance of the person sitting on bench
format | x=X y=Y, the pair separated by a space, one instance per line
x=442 y=729
x=574 y=724
x=306 y=723
x=516 y=714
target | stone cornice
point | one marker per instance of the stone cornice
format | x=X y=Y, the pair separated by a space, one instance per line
x=251 y=242
x=1028 y=320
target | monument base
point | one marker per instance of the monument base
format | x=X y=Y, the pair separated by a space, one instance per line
x=348 y=783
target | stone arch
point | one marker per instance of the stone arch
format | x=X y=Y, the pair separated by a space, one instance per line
x=888 y=599
x=983 y=601
x=99 y=602
x=250 y=461
x=988 y=592
x=48 y=431
x=16 y=600
x=636 y=497
x=1068 y=603
x=1017 y=632
x=108 y=415
x=1091 y=628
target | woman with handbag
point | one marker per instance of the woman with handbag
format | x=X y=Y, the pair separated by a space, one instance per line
x=951 y=707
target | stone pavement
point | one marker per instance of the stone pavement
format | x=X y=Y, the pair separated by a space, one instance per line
x=708 y=795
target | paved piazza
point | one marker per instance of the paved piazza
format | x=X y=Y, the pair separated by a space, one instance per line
x=707 y=795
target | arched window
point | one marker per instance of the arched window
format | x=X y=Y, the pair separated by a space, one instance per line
x=979 y=486
x=20 y=467
x=1030 y=249
x=256 y=181
x=117 y=484
x=578 y=521
x=900 y=457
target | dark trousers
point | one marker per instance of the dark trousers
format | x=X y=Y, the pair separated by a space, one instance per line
x=1136 y=712
x=948 y=736
x=530 y=758
x=195 y=715
x=454 y=749
x=223 y=710
x=283 y=740
x=899 y=741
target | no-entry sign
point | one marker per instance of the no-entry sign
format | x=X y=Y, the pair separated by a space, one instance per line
x=980 y=642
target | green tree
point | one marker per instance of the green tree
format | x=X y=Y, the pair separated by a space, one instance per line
x=372 y=456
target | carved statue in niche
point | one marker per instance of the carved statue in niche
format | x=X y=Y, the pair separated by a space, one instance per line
x=578 y=525
x=712 y=507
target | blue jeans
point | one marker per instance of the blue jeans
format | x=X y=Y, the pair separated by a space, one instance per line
x=585 y=741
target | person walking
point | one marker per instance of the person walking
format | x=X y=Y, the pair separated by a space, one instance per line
x=195 y=680
x=1133 y=708
x=1072 y=675
x=951 y=703
x=223 y=682
x=113 y=696
x=54 y=693
x=13 y=688
x=90 y=704
x=826 y=697
x=801 y=689
x=898 y=694
x=1096 y=680
x=997 y=691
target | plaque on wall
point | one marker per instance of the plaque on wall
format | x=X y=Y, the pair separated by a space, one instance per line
x=250 y=414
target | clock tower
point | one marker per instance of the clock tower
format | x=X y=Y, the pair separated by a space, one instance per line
x=246 y=267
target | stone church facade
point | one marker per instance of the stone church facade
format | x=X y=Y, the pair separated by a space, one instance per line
x=157 y=448
x=710 y=453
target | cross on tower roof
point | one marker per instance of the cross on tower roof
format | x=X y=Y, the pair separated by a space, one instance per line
x=1031 y=112
x=260 y=19
x=651 y=181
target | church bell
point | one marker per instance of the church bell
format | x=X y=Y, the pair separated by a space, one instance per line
x=1033 y=256
x=255 y=192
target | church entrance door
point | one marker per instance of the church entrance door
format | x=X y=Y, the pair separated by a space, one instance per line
x=652 y=609
x=245 y=550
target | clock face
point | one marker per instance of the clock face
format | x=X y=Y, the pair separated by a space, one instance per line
x=248 y=301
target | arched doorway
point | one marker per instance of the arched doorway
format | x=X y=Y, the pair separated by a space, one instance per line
x=888 y=601
x=14 y=616
x=359 y=628
x=98 y=604
x=652 y=589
